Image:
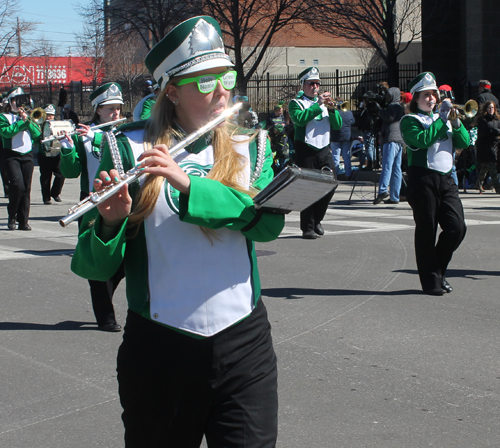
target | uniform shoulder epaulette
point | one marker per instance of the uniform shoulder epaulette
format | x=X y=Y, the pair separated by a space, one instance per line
x=134 y=125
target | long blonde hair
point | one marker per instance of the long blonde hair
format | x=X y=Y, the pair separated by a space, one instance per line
x=227 y=169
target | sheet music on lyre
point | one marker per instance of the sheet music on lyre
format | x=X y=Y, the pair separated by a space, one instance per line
x=294 y=189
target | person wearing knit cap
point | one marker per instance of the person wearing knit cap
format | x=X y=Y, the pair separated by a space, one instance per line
x=313 y=120
x=485 y=94
x=80 y=157
x=432 y=194
x=197 y=357
x=19 y=133
x=49 y=161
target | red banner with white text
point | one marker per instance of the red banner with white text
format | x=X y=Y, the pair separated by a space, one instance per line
x=22 y=71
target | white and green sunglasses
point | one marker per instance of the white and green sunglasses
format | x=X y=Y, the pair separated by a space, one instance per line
x=208 y=83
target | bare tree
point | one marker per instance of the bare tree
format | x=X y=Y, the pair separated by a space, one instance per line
x=387 y=26
x=151 y=20
x=91 y=45
x=12 y=32
x=125 y=62
x=252 y=25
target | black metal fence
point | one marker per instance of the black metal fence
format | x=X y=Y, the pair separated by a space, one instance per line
x=78 y=96
x=267 y=91
x=263 y=92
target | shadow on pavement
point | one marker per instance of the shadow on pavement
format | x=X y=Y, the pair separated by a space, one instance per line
x=61 y=326
x=300 y=293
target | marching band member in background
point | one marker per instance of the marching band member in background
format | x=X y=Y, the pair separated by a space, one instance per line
x=49 y=163
x=18 y=133
x=197 y=356
x=80 y=156
x=432 y=192
x=312 y=120
x=143 y=109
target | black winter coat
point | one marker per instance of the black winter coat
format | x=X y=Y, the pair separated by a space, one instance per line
x=488 y=138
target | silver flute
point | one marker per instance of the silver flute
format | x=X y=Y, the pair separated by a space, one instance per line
x=135 y=173
x=97 y=126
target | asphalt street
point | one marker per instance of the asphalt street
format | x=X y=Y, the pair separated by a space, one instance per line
x=365 y=359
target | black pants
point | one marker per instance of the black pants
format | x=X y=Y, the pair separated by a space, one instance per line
x=434 y=199
x=49 y=166
x=176 y=388
x=3 y=172
x=19 y=169
x=306 y=157
x=101 y=294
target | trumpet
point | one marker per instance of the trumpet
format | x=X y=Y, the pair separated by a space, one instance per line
x=135 y=173
x=97 y=126
x=469 y=109
x=343 y=107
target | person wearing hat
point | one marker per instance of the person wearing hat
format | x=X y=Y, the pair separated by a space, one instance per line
x=80 y=157
x=485 y=94
x=49 y=161
x=431 y=192
x=3 y=173
x=197 y=356
x=18 y=133
x=143 y=109
x=312 y=120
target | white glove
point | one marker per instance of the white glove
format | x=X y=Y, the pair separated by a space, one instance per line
x=455 y=123
x=67 y=143
x=444 y=110
x=91 y=135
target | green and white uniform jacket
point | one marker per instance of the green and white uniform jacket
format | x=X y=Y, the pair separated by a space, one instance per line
x=143 y=109
x=312 y=121
x=83 y=159
x=176 y=275
x=431 y=141
x=18 y=135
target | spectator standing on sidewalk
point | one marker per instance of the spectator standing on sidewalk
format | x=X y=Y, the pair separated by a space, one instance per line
x=392 y=149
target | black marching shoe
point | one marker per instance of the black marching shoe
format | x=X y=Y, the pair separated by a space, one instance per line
x=57 y=198
x=12 y=224
x=112 y=328
x=446 y=286
x=380 y=198
x=309 y=235
x=318 y=228
x=25 y=227
x=434 y=292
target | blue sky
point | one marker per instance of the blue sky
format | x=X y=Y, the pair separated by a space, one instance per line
x=58 y=22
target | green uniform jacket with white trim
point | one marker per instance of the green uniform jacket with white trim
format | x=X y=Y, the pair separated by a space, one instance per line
x=302 y=116
x=170 y=247
x=423 y=142
x=8 y=130
x=75 y=161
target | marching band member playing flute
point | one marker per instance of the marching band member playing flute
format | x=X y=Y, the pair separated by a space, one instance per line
x=197 y=356
x=80 y=156
x=432 y=193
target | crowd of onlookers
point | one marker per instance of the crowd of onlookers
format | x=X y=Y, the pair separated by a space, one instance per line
x=371 y=137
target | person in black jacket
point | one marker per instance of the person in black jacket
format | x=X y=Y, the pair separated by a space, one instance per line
x=488 y=139
x=392 y=149
x=485 y=93
x=340 y=142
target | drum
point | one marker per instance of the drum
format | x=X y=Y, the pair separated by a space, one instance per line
x=53 y=128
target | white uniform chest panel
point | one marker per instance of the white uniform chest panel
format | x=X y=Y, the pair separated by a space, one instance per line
x=195 y=284
x=21 y=142
x=440 y=154
x=93 y=158
x=318 y=129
